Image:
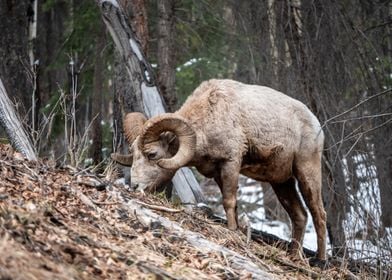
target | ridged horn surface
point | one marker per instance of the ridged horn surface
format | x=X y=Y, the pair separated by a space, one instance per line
x=184 y=132
x=133 y=126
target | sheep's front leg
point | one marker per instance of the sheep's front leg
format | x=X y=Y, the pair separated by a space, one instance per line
x=227 y=181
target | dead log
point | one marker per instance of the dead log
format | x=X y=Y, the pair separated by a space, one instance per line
x=234 y=260
x=13 y=126
x=144 y=85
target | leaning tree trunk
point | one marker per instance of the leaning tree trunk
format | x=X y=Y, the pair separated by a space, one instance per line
x=124 y=99
x=144 y=85
x=13 y=126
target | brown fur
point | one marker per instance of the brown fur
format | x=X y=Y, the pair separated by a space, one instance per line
x=258 y=132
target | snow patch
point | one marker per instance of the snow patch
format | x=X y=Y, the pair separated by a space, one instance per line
x=135 y=49
x=113 y=2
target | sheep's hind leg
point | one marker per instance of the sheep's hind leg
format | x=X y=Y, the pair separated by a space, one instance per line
x=228 y=183
x=291 y=202
x=308 y=173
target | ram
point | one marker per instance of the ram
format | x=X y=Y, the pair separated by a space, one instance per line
x=227 y=128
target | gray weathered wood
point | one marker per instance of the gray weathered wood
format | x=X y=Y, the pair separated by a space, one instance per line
x=144 y=85
x=234 y=260
x=13 y=126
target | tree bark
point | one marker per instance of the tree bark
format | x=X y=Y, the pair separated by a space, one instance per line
x=166 y=57
x=335 y=200
x=383 y=161
x=50 y=30
x=97 y=99
x=34 y=67
x=334 y=193
x=51 y=25
x=383 y=149
x=125 y=99
x=136 y=11
x=144 y=85
x=14 y=128
x=15 y=66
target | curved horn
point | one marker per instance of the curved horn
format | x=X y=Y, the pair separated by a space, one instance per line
x=133 y=126
x=179 y=126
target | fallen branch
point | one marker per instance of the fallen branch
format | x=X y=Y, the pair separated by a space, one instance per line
x=234 y=260
x=159 y=208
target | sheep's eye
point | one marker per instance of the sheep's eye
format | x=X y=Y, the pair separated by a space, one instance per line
x=152 y=155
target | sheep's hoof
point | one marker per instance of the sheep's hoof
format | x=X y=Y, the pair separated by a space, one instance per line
x=323 y=264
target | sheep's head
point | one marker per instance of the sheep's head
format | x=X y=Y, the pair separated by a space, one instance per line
x=158 y=147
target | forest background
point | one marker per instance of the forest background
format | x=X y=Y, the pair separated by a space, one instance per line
x=68 y=82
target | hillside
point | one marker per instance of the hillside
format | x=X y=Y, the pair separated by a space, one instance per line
x=63 y=223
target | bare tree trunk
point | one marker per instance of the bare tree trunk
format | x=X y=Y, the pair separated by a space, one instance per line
x=300 y=19
x=383 y=149
x=14 y=128
x=335 y=198
x=15 y=66
x=50 y=29
x=125 y=100
x=35 y=101
x=383 y=161
x=136 y=11
x=51 y=25
x=250 y=66
x=97 y=98
x=166 y=48
x=143 y=83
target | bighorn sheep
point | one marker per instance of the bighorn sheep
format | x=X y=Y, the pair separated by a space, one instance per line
x=226 y=128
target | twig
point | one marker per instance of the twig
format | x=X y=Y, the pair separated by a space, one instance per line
x=356 y=106
x=377 y=26
x=360 y=134
x=58 y=210
x=364 y=117
x=159 y=208
x=105 y=202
